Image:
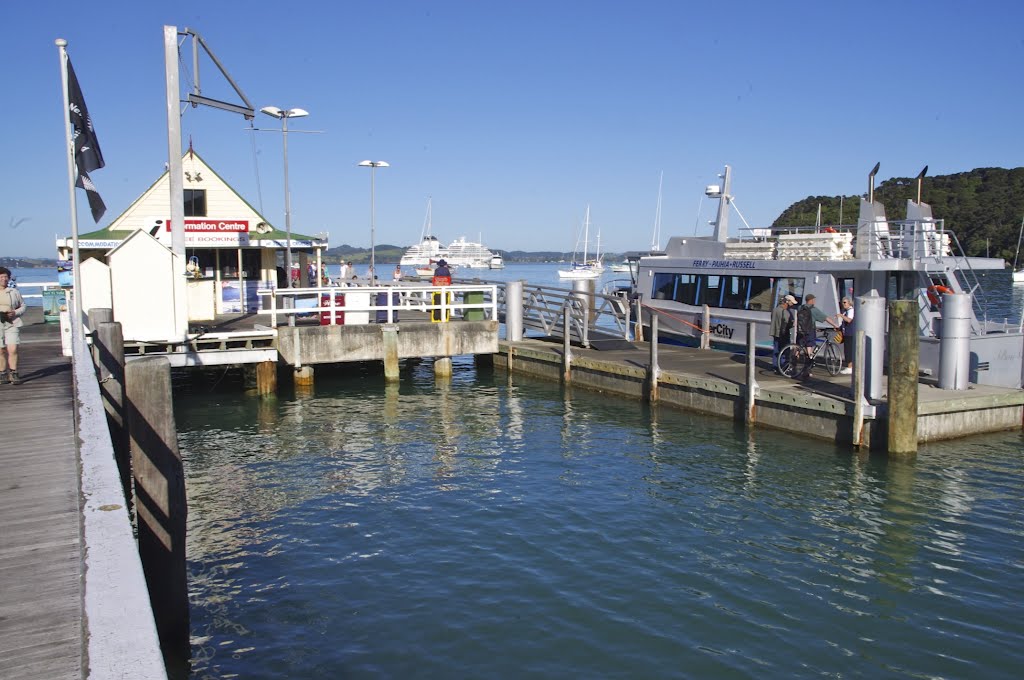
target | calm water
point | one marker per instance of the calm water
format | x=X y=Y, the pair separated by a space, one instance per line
x=496 y=527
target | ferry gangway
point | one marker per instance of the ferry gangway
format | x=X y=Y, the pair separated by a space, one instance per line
x=592 y=316
x=360 y=304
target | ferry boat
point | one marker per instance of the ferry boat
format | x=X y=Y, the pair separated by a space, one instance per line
x=742 y=279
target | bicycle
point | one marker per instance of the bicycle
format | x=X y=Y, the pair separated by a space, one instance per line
x=793 y=359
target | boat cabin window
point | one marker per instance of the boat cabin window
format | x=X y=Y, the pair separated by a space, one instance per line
x=710 y=289
x=725 y=292
x=789 y=286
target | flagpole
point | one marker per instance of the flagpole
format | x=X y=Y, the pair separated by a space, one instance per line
x=76 y=264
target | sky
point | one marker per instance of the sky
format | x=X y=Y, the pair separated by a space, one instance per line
x=513 y=117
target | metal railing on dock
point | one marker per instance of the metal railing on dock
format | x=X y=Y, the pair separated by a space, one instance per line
x=361 y=304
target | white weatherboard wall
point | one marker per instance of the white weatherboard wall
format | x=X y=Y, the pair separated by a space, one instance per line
x=141 y=272
x=96 y=286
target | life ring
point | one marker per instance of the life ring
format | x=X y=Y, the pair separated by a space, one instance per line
x=935 y=291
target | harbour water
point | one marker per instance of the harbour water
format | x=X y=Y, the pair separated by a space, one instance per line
x=502 y=527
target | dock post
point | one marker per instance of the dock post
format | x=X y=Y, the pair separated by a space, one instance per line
x=705 y=334
x=653 y=369
x=752 y=386
x=389 y=334
x=96 y=316
x=955 y=343
x=870 y=318
x=514 y=311
x=904 y=362
x=108 y=347
x=160 y=503
x=638 y=333
x=566 y=345
x=266 y=378
x=857 y=435
x=443 y=367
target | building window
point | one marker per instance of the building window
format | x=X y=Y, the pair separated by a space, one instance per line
x=195 y=202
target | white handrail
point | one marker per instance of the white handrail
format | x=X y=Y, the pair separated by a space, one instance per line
x=419 y=297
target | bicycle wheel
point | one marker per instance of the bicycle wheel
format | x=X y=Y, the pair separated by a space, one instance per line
x=792 y=360
x=833 y=362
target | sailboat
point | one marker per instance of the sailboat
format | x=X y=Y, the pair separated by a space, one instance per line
x=1018 y=273
x=585 y=269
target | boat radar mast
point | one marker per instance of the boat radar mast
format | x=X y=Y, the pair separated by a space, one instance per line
x=724 y=198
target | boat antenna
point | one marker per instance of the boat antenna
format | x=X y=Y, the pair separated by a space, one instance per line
x=656 y=236
x=871 y=182
x=920 y=178
x=1017 y=254
x=722 y=194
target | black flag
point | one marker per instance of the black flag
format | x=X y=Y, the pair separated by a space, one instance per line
x=88 y=156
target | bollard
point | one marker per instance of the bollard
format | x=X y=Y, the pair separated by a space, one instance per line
x=871 y=319
x=653 y=369
x=160 y=503
x=514 y=311
x=303 y=376
x=583 y=290
x=904 y=360
x=955 y=344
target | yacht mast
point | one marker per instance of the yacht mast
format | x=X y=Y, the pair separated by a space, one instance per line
x=656 y=236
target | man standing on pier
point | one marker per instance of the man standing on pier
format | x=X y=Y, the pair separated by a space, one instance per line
x=782 y=324
x=12 y=306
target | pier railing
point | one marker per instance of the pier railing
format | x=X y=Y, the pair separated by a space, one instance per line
x=591 y=315
x=360 y=304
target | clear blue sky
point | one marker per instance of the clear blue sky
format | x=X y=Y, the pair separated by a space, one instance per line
x=515 y=115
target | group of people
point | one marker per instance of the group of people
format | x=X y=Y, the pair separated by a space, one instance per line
x=806 y=318
x=12 y=307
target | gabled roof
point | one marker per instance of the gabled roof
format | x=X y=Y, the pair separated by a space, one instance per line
x=130 y=220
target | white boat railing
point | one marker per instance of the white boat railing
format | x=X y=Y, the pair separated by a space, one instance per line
x=361 y=304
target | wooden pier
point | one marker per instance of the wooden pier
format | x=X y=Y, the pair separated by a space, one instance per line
x=41 y=626
x=716 y=382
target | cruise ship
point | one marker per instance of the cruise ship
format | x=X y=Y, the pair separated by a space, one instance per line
x=459 y=253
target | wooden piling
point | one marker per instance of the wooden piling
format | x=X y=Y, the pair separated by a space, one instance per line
x=159 y=498
x=652 y=366
x=752 y=386
x=108 y=348
x=857 y=436
x=266 y=378
x=705 y=336
x=904 y=362
x=96 y=316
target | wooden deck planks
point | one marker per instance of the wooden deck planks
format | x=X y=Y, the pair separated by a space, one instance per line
x=40 y=537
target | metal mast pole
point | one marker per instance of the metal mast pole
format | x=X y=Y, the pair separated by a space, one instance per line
x=373 y=225
x=75 y=262
x=287 y=203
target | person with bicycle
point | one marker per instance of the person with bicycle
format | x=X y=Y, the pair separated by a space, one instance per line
x=807 y=319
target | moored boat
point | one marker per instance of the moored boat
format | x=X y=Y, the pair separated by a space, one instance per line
x=742 y=280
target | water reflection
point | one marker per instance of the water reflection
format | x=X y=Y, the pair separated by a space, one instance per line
x=454 y=528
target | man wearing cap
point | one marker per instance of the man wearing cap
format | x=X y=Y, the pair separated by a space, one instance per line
x=782 y=323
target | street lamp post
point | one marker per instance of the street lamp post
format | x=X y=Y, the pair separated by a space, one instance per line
x=373 y=165
x=284 y=116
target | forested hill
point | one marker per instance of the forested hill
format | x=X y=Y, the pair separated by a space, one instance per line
x=985 y=203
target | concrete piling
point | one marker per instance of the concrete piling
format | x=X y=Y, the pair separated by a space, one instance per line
x=652 y=366
x=389 y=335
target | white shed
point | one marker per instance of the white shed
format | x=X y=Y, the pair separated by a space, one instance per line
x=141 y=287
